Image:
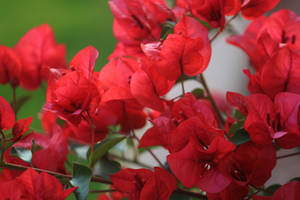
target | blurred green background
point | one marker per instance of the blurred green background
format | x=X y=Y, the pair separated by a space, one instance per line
x=76 y=23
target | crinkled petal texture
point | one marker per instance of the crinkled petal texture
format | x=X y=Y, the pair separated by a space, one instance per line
x=10 y=66
x=143 y=184
x=7 y=115
x=196 y=151
x=159 y=134
x=248 y=42
x=260 y=112
x=196 y=166
x=252 y=9
x=139 y=20
x=187 y=51
x=21 y=127
x=287 y=105
x=84 y=61
x=51 y=157
x=38 y=52
x=250 y=164
x=32 y=185
x=43 y=186
x=142 y=88
x=70 y=95
x=289 y=191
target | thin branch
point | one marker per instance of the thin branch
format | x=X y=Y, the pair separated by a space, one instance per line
x=211 y=99
x=288 y=155
x=149 y=150
x=189 y=193
x=56 y=174
x=3 y=146
x=102 y=191
x=221 y=29
x=14 y=99
x=130 y=161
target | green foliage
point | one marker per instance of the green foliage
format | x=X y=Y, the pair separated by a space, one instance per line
x=107 y=167
x=241 y=136
x=81 y=178
x=101 y=148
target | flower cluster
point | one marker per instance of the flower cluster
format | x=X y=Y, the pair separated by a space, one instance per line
x=158 y=46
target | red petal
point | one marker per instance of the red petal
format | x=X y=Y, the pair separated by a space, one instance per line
x=84 y=61
x=7 y=115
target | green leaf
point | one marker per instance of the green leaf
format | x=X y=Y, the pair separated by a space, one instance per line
x=235 y=127
x=241 y=136
x=22 y=153
x=198 y=93
x=81 y=178
x=102 y=148
x=295 y=179
x=171 y=3
x=107 y=167
x=269 y=191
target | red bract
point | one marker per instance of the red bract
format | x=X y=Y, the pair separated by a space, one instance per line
x=7 y=115
x=250 y=164
x=139 y=21
x=252 y=9
x=10 y=66
x=38 y=53
x=284 y=78
x=289 y=191
x=232 y=192
x=176 y=113
x=73 y=92
x=267 y=120
x=32 y=185
x=197 y=149
x=53 y=154
x=187 y=51
x=143 y=184
x=264 y=36
x=21 y=127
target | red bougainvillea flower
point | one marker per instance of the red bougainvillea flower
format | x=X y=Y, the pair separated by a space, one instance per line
x=264 y=36
x=252 y=9
x=38 y=53
x=232 y=192
x=289 y=191
x=143 y=184
x=32 y=185
x=187 y=51
x=10 y=66
x=7 y=115
x=284 y=79
x=183 y=109
x=197 y=149
x=72 y=92
x=21 y=127
x=250 y=164
x=51 y=156
x=139 y=21
x=267 y=120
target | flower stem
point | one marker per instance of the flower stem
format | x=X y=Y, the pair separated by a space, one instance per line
x=102 y=191
x=211 y=99
x=288 y=155
x=56 y=174
x=129 y=161
x=149 y=150
x=14 y=99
